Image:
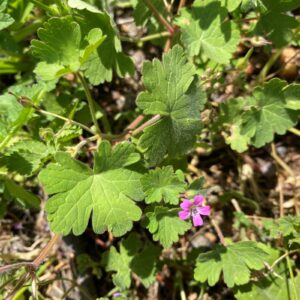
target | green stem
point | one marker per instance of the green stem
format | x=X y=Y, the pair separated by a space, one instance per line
x=147 y=38
x=45 y=7
x=65 y=119
x=292 y=275
x=62 y=6
x=294 y=131
x=90 y=102
x=263 y=73
x=22 y=33
x=202 y=291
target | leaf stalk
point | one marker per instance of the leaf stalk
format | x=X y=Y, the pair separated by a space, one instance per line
x=159 y=17
x=90 y=102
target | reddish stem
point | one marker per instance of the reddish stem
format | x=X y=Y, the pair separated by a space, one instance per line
x=159 y=17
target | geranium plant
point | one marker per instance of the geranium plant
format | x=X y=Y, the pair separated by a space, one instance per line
x=130 y=175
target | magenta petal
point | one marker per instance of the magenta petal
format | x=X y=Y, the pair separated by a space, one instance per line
x=186 y=204
x=183 y=215
x=205 y=210
x=197 y=220
x=198 y=200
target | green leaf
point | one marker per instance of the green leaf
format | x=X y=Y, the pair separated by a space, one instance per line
x=283 y=227
x=61 y=47
x=292 y=96
x=166 y=226
x=236 y=261
x=10 y=110
x=231 y=5
x=25 y=157
x=280 y=33
x=268 y=115
x=230 y=119
x=162 y=184
x=275 y=285
x=108 y=57
x=269 y=289
x=109 y=190
x=59 y=43
x=79 y=4
x=5 y=19
x=174 y=93
x=142 y=14
x=254 y=120
x=206 y=30
x=131 y=258
x=144 y=264
x=19 y=193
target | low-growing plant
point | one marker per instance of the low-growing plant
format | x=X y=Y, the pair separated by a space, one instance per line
x=127 y=175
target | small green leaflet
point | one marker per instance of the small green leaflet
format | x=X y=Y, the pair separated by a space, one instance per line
x=5 y=19
x=109 y=191
x=132 y=257
x=61 y=47
x=173 y=92
x=25 y=157
x=205 y=30
x=270 y=288
x=18 y=193
x=268 y=115
x=236 y=261
x=12 y=114
x=231 y=5
x=292 y=96
x=283 y=227
x=144 y=17
x=162 y=184
x=165 y=225
x=108 y=57
x=142 y=14
x=280 y=33
x=10 y=110
x=254 y=120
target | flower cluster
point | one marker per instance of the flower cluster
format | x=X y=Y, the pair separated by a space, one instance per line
x=194 y=208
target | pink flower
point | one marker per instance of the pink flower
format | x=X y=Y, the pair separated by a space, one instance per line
x=195 y=209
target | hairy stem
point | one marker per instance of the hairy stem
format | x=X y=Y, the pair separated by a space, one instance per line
x=45 y=252
x=90 y=102
x=218 y=231
x=263 y=73
x=278 y=260
x=147 y=38
x=153 y=120
x=64 y=119
x=159 y=17
x=280 y=161
x=291 y=275
x=135 y=122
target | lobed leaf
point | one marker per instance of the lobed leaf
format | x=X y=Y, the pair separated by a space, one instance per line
x=109 y=191
x=132 y=257
x=205 y=29
x=108 y=56
x=165 y=225
x=235 y=261
x=162 y=184
x=173 y=92
x=254 y=120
